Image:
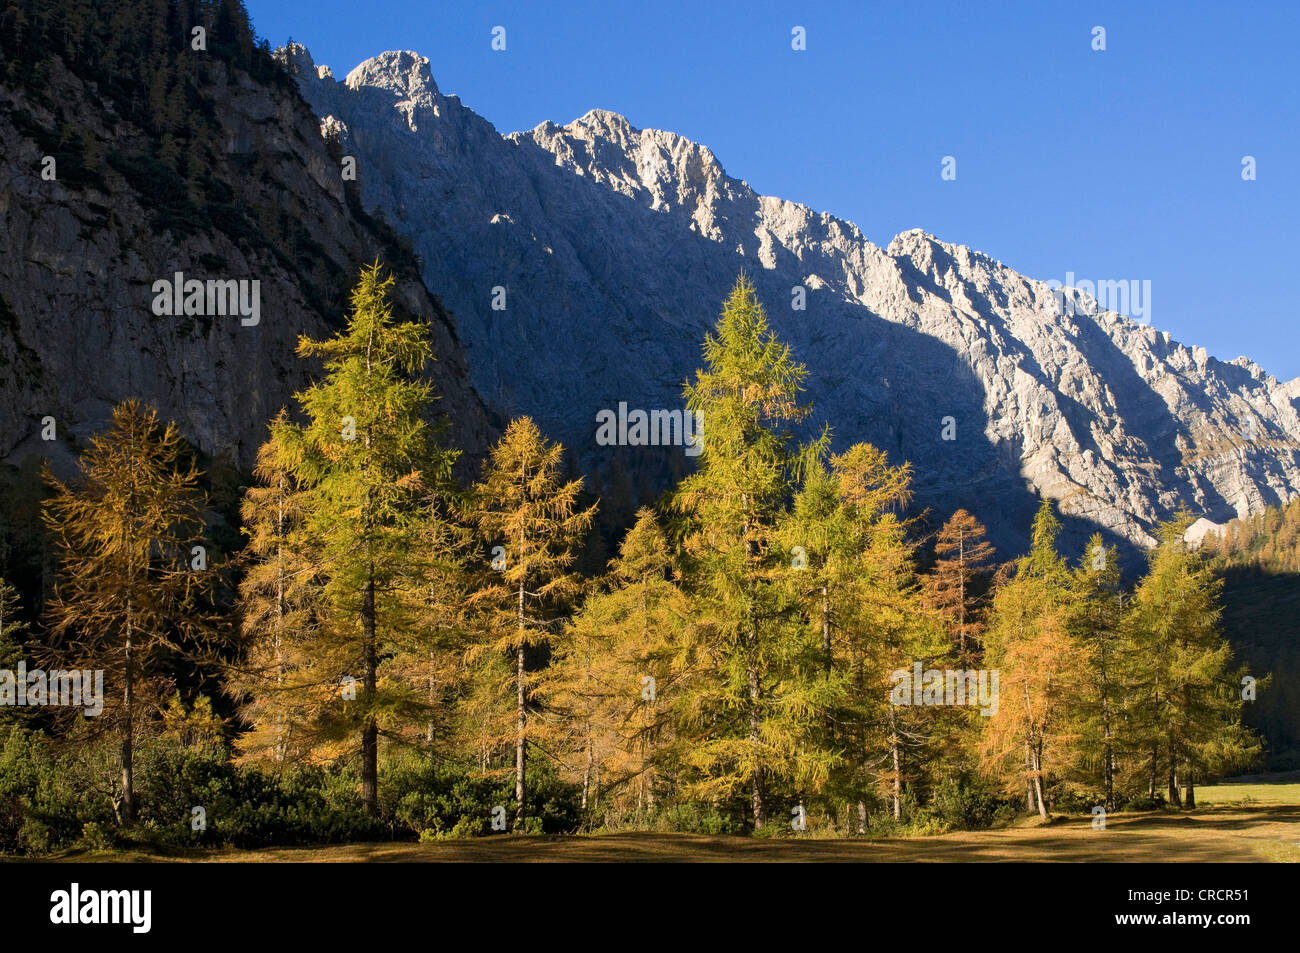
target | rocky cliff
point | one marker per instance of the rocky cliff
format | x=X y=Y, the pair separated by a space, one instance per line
x=615 y=246
x=240 y=186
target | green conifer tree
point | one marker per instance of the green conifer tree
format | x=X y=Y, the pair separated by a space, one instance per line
x=531 y=517
x=1097 y=614
x=755 y=716
x=366 y=461
x=1193 y=692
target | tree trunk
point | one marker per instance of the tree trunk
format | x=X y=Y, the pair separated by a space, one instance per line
x=1038 y=784
x=650 y=759
x=756 y=772
x=370 y=732
x=586 y=771
x=755 y=718
x=826 y=629
x=280 y=748
x=433 y=697
x=521 y=698
x=521 y=723
x=1174 y=797
x=128 y=730
x=1189 y=801
x=1110 y=776
x=1108 y=753
x=1038 y=793
x=650 y=727
x=961 y=597
x=898 y=766
x=1029 y=780
x=751 y=664
x=898 y=783
x=1033 y=760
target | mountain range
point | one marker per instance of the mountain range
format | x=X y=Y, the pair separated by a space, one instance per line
x=614 y=247
x=563 y=271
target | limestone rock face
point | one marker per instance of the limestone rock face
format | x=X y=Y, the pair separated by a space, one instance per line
x=77 y=329
x=615 y=247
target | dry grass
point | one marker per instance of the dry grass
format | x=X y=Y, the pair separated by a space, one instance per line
x=1265 y=833
x=1246 y=820
x=1283 y=788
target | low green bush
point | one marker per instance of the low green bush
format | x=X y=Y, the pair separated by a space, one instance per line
x=435 y=800
x=966 y=804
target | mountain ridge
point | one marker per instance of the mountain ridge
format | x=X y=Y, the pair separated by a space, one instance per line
x=622 y=242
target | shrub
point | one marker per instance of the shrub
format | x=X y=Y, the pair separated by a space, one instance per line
x=691 y=817
x=54 y=796
x=427 y=798
x=1144 y=803
x=966 y=804
x=46 y=799
x=94 y=836
x=249 y=807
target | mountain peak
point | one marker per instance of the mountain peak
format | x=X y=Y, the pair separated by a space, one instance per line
x=906 y=242
x=605 y=120
x=400 y=71
x=663 y=170
x=297 y=58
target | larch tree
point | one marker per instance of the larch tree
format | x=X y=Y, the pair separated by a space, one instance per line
x=754 y=717
x=821 y=554
x=1041 y=665
x=277 y=681
x=581 y=688
x=891 y=629
x=132 y=587
x=963 y=556
x=858 y=594
x=1097 y=621
x=366 y=460
x=1194 y=725
x=619 y=672
x=833 y=515
x=430 y=655
x=534 y=522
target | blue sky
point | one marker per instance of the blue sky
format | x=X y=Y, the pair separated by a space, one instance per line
x=1122 y=164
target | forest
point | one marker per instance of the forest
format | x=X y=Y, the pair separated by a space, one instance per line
x=388 y=649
